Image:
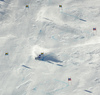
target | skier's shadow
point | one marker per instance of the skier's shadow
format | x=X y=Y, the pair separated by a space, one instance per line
x=50 y=57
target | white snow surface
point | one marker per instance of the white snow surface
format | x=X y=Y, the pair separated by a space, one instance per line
x=65 y=35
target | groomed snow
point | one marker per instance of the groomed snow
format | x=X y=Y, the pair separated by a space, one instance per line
x=65 y=35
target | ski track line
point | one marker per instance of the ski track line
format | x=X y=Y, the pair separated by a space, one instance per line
x=51 y=93
x=59 y=88
x=62 y=87
x=27 y=82
x=26 y=66
x=86 y=44
x=73 y=16
x=53 y=37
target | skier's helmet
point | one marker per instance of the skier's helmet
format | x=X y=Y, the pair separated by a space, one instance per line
x=42 y=53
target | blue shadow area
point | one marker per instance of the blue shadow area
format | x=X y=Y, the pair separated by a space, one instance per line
x=88 y=91
x=50 y=57
x=2 y=13
x=83 y=20
x=74 y=16
x=26 y=66
x=59 y=65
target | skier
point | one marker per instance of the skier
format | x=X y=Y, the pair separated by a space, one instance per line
x=40 y=56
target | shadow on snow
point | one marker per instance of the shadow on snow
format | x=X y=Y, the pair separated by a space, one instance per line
x=49 y=58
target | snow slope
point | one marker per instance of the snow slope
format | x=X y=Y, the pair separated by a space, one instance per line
x=65 y=35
